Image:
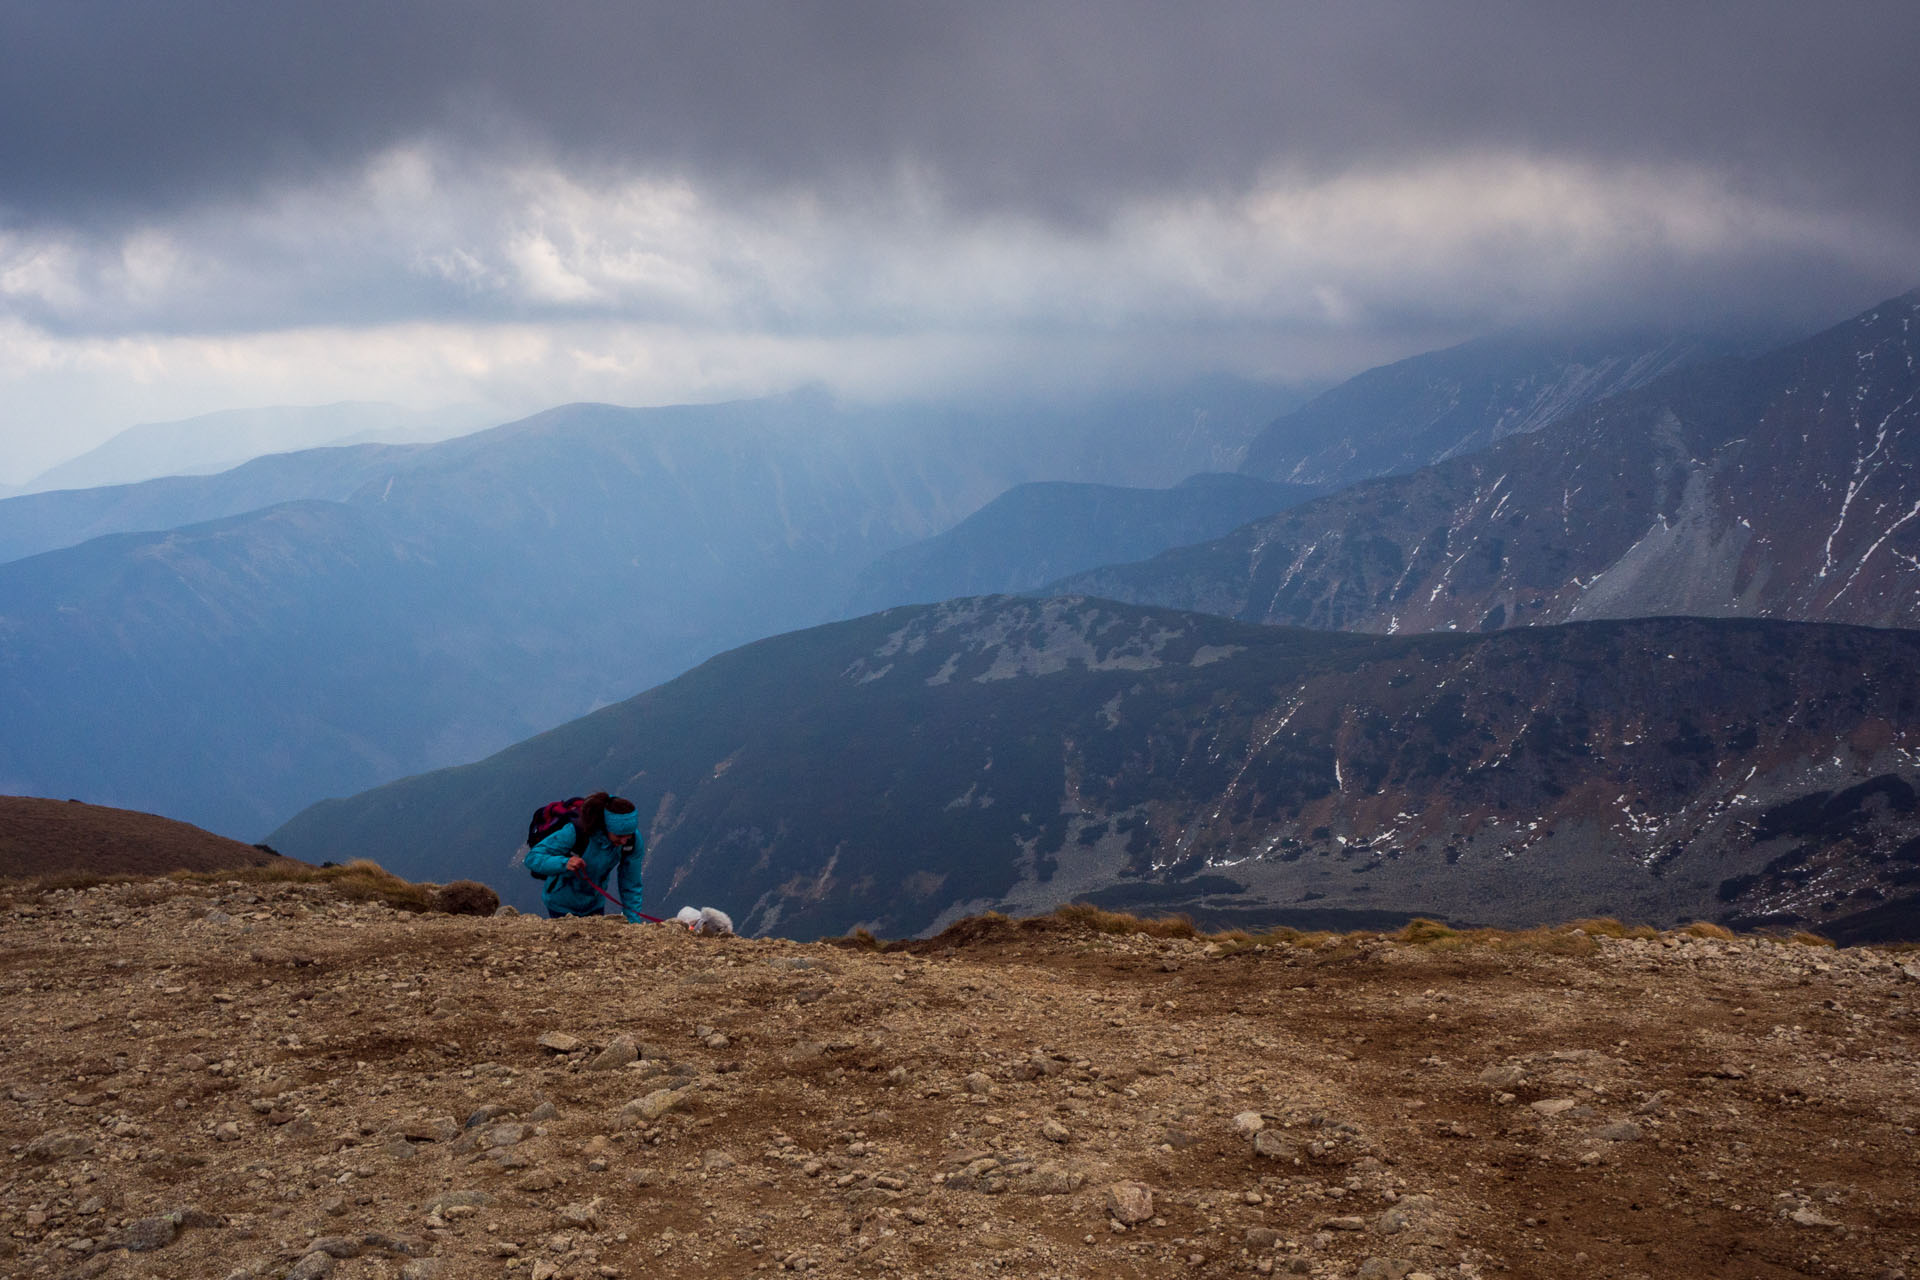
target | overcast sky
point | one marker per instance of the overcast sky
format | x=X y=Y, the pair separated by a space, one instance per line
x=212 y=205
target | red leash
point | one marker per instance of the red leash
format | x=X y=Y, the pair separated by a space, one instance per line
x=617 y=903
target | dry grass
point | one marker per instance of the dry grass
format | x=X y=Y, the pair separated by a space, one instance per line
x=360 y=880
x=1608 y=927
x=1576 y=938
x=1100 y=920
x=1806 y=939
x=1702 y=929
x=1234 y=941
x=64 y=881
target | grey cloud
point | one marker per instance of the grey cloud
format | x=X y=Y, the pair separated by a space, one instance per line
x=113 y=110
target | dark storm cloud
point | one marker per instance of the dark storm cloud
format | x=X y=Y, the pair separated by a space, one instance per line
x=111 y=112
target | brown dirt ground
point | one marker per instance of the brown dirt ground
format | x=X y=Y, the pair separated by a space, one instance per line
x=1724 y=1109
x=68 y=838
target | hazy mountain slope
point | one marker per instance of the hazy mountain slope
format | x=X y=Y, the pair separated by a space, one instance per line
x=1148 y=438
x=1785 y=486
x=1443 y=403
x=229 y=673
x=898 y=769
x=39 y=522
x=218 y=671
x=1034 y=533
x=219 y=441
x=1143 y=438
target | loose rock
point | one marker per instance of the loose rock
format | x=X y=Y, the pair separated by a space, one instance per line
x=619 y=1052
x=146 y=1234
x=1269 y=1144
x=312 y=1267
x=654 y=1105
x=1130 y=1203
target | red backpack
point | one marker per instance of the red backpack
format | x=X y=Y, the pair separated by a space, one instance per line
x=549 y=818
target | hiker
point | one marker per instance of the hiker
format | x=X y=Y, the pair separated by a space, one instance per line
x=579 y=869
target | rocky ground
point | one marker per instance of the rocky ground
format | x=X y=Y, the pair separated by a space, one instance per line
x=237 y=1081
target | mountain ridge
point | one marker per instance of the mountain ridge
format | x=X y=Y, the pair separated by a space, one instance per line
x=220 y=441
x=1733 y=488
x=1439 y=404
x=56 y=519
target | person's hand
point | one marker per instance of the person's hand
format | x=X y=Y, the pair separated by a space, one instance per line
x=576 y=864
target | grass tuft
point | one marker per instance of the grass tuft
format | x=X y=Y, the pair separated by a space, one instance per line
x=1423 y=932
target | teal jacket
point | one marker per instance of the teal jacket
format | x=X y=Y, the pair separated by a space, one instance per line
x=567 y=893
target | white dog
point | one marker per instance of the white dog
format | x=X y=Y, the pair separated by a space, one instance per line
x=706 y=921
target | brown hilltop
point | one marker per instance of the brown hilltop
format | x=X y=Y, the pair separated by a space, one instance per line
x=247 y=1079
x=41 y=838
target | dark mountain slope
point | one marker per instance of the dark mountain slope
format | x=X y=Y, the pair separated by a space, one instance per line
x=900 y=769
x=1438 y=405
x=59 y=518
x=1034 y=533
x=1785 y=486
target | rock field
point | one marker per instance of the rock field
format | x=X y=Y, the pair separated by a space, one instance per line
x=269 y=1081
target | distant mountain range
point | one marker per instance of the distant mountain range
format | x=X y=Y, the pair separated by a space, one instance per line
x=463 y=597
x=1034 y=533
x=1784 y=486
x=1439 y=405
x=228 y=661
x=37 y=522
x=214 y=442
x=899 y=770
